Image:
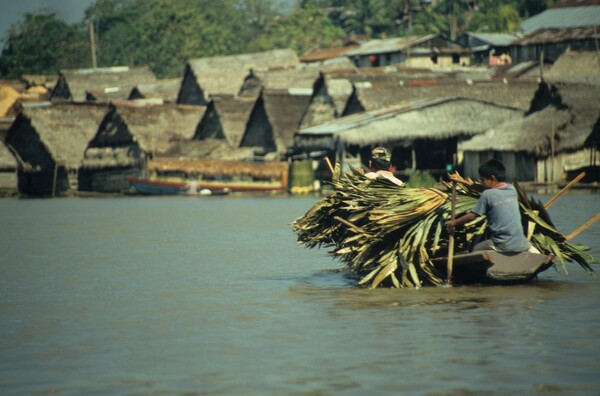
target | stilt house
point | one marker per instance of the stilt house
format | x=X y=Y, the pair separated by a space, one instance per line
x=128 y=136
x=204 y=77
x=49 y=142
x=556 y=140
x=422 y=135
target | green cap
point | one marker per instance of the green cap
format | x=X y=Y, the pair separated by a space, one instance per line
x=381 y=153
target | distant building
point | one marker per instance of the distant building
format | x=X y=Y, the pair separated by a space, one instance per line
x=128 y=136
x=560 y=136
x=204 y=77
x=422 y=135
x=100 y=84
x=274 y=120
x=163 y=90
x=413 y=51
x=225 y=118
x=49 y=142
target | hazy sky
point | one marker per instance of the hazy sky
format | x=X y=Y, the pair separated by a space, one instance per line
x=12 y=11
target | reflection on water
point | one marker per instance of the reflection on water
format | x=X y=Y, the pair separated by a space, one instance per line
x=213 y=296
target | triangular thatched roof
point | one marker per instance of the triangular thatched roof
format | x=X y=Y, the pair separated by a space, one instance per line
x=60 y=131
x=204 y=77
x=298 y=78
x=575 y=67
x=566 y=116
x=275 y=118
x=226 y=117
x=152 y=127
x=74 y=84
x=166 y=90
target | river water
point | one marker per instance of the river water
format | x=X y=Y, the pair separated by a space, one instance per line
x=212 y=295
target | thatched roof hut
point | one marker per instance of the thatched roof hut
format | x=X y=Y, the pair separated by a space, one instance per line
x=50 y=141
x=101 y=84
x=150 y=127
x=568 y=114
x=274 y=119
x=298 y=78
x=370 y=96
x=433 y=120
x=204 y=77
x=166 y=90
x=226 y=117
x=578 y=67
x=564 y=119
x=8 y=176
x=128 y=135
x=422 y=134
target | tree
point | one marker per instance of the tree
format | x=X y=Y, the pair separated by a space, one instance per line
x=43 y=44
x=304 y=30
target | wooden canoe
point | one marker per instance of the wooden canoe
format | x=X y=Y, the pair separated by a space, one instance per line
x=492 y=267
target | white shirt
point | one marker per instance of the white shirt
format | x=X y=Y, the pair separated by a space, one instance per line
x=386 y=174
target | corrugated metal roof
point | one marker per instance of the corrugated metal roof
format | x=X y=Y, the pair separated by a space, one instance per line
x=562 y=18
x=389 y=45
x=496 y=39
x=557 y=35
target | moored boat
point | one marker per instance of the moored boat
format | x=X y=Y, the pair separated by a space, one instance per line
x=169 y=187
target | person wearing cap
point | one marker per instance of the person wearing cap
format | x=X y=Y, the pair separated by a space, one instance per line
x=380 y=164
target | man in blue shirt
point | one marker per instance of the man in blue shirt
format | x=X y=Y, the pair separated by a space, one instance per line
x=500 y=204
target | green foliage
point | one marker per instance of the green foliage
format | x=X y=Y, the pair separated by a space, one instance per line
x=418 y=178
x=42 y=44
x=164 y=34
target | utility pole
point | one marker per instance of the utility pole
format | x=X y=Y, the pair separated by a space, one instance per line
x=92 y=43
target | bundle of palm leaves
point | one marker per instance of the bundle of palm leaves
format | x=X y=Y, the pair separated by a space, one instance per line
x=388 y=235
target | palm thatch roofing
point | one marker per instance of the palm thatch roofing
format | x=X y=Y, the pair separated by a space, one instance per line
x=515 y=93
x=63 y=131
x=8 y=98
x=563 y=125
x=226 y=117
x=275 y=119
x=225 y=74
x=431 y=119
x=298 y=78
x=154 y=127
x=73 y=84
x=162 y=89
x=215 y=167
x=575 y=67
x=209 y=148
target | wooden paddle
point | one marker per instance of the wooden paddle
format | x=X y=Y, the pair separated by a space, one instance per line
x=451 y=236
x=564 y=190
x=583 y=227
x=329 y=164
